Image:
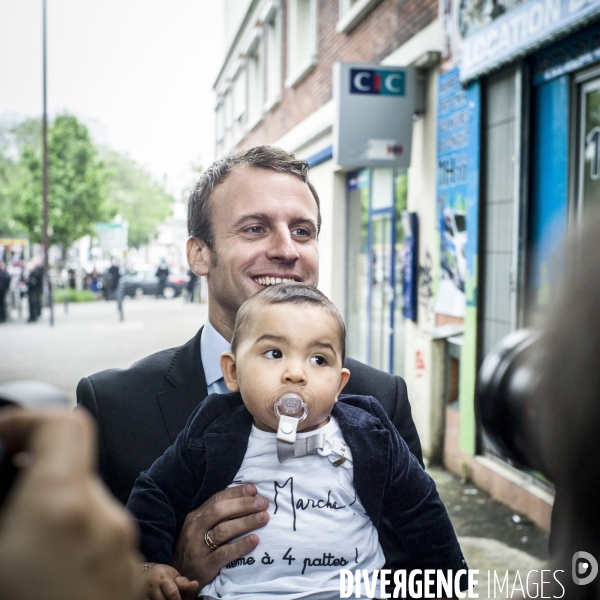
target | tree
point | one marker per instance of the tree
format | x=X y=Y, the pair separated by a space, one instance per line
x=13 y=136
x=77 y=181
x=134 y=194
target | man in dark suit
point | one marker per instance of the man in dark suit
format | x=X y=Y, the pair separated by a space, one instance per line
x=35 y=287
x=253 y=220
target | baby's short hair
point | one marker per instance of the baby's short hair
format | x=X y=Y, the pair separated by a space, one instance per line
x=287 y=293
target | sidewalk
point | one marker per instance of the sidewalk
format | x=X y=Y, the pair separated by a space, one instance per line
x=91 y=338
x=492 y=537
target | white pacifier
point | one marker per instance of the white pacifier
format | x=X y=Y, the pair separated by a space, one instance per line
x=291 y=410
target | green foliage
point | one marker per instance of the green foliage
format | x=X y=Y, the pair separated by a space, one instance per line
x=77 y=181
x=137 y=197
x=84 y=188
x=74 y=295
x=12 y=137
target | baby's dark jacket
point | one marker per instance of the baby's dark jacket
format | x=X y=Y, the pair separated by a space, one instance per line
x=205 y=458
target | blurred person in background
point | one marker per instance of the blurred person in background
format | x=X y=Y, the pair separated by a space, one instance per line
x=35 y=286
x=71 y=277
x=93 y=279
x=114 y=274
x=191 y=285
x=4 y=287
x=163 y=274
x=62 y=536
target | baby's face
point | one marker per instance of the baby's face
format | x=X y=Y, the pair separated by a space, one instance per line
x=288 y=347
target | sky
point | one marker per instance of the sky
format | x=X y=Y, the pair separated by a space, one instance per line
x=139 y=73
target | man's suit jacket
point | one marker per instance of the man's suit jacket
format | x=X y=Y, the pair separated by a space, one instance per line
x=141 y=410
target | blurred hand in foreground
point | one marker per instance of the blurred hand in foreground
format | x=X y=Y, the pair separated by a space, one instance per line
x=62 y=537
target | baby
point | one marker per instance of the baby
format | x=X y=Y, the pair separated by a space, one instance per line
x=330 y=469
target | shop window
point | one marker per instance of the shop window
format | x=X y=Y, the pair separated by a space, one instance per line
x=588 y=146
x=565 y=181
x=302 y=40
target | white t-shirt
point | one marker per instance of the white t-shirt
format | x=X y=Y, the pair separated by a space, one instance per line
x=317 y=526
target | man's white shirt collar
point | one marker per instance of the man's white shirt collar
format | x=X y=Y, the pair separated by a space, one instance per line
x=212 y=345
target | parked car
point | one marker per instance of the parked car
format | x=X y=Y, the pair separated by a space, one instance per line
x=145 y=283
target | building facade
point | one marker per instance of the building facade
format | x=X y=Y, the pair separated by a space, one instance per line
x=276 y=86
x=435 y=259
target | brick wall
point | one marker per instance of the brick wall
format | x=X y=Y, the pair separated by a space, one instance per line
x=387 y=27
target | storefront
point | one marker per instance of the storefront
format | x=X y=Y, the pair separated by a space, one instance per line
x=537 y=65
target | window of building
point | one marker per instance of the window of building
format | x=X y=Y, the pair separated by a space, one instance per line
x=238 y=103
x=302 y=39
x=239 y=94
x=228 y=115
x=219 y=122
x=256 y=82
x=273 y=59
x=352 y=12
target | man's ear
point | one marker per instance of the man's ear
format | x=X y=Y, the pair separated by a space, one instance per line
x=344 y=376
x=229 y=369
x=198 y=256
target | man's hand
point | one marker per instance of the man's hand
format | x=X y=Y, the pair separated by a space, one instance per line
x=227 y=515
x=62 y=537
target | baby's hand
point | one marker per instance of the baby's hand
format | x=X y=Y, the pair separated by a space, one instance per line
x=162 y=582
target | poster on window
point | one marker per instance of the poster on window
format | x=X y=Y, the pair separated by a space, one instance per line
x=455 y=129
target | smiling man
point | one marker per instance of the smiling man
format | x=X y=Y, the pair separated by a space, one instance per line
x=253 y=220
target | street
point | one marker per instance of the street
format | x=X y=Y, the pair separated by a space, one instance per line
x=91 y=338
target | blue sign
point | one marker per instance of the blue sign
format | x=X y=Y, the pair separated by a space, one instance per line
x=521 y=30
x=377 y=82
x=410 y=265
x=457 y=192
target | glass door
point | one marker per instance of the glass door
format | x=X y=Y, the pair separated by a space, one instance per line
x=374 y=320
x=381 y=292
x=357 y=293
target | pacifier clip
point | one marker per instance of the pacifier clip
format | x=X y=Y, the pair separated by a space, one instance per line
x=291 y=411
x=317 y=443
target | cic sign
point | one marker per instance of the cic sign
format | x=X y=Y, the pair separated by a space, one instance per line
x=374 y=108
x=377 y=82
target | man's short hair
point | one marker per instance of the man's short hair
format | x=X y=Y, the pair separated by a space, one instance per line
x=287 y=293
x=260 y=157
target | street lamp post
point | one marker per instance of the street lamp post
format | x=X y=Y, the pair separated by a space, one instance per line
x=47 y=286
